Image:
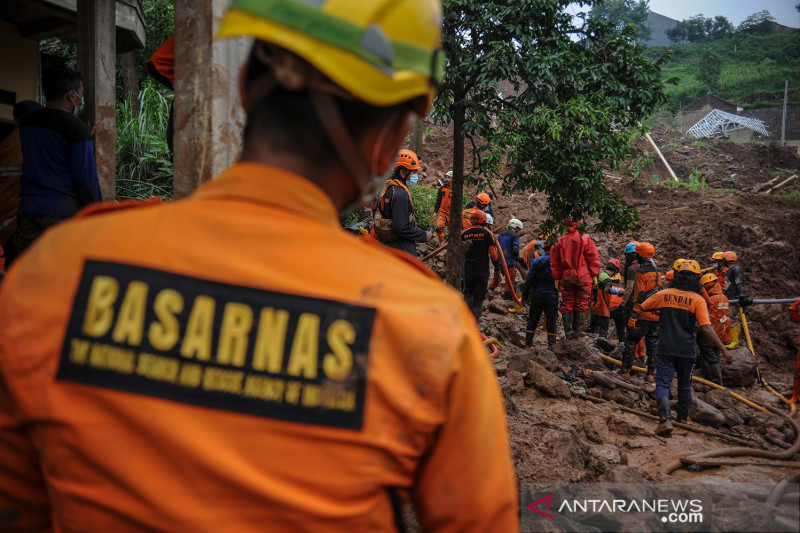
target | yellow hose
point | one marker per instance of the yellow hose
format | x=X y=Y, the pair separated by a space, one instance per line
x=792 y=406
x=694 y=378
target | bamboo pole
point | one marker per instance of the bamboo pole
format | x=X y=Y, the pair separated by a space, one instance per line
x=671 y=173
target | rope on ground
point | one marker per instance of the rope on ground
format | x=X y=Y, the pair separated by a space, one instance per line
x=777 y=492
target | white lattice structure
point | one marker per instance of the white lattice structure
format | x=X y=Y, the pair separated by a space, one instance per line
x=720 y=124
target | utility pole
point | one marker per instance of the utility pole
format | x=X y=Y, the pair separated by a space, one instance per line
x=783 y=125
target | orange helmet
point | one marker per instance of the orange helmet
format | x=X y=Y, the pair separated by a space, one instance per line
x=716 y=256
x=483 y=199
x=477 y=218
x=670 y=274
x=690 y=266
x=645 y=249
x=407 y=159
x=708 y=278
x=730 y=257
x=677 y=264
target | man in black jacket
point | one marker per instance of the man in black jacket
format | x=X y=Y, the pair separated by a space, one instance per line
x=396 y=205
x=479 y=248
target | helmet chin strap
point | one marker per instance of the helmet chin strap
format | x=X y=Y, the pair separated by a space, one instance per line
x=361 y=172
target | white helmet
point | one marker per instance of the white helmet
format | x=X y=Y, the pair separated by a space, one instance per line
x=449 y=174
x=489 y=220
x=515 y=223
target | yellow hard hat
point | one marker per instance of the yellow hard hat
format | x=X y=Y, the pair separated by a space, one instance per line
x=384 y=52
x=677 y=264
x=708 y=278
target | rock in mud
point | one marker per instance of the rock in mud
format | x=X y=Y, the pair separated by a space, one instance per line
x=732 y=417
x=719 y=398
x=742 y=371
x=604 y=453
x=595 y=429
x=629 y=425
x=545 y=381
x=705 y=414
x=518 y=361
x=547 y=359
x=516 y=381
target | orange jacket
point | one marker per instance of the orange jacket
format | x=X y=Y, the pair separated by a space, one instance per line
x=161 y=64
x=605 y=300
x=646 y=283
x=718 y=312
x=10 y=173
x=466 y=217
x=209 y=377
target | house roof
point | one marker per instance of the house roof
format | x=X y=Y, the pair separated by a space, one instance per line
x=709 y=100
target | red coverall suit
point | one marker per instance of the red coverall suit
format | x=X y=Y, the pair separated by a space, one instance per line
x=575 y=253
x=795 y=312
x=213 y=379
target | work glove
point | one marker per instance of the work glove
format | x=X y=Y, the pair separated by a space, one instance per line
x=517 y=308
x=557 y=285
x=594 y=281
x=744 y=301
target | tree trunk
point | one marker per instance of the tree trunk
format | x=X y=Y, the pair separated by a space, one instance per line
x=454 y=250
x=417 y=130
x=131 y=79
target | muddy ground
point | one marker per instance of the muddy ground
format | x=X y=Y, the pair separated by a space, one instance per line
x=559 y=438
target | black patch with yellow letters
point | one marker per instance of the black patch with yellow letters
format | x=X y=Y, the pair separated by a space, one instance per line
x=217 y=345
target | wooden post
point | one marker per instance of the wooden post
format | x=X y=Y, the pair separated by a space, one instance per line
x=97 y=61
x=671 y=173
x=208 y=115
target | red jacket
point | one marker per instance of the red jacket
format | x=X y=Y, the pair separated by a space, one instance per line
x=575 y=251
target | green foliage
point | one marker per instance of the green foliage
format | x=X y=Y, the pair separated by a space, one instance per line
x=699 y=144
x=753 y=71
x=144 y=167
x=694 y=182
x=656 y=179
x=424 y=198
x=636 y=166
x=759 y=22
x=574 y=103
x=709 y=69
x=624 y=12
x=698 y=29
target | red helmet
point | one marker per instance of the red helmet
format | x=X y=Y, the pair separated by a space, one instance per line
x=483 y=199
x=407 y=159
x=570 y=223
x=730 y=257
x=477 y=218
x=645 y=249
x=615 y=263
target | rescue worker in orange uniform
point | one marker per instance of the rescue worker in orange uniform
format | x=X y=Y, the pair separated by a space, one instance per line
x=718 y=311
x=202 y=381
x=794 y=311
x=680 y=308
x=719 y=271
x=396 y=205
x=442 y=207
x=643 y=324
x=609 y=299
x=482 y=203
x=533 y=250
x=575 y=262
x=479 y=248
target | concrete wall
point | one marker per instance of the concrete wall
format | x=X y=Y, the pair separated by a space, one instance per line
x=19 y=64
x=659 y=24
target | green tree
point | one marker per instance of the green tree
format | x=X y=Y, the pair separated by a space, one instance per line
x=624 y=12
x=574 y=104
x=709 y=69
x=759 y=22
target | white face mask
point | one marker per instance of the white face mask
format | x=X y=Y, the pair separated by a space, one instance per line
x=78 y=108
x=413 y=179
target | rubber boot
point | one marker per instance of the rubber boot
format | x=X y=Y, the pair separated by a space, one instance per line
x=682 y=412
x=651 y=369
x=567 y=319
x=529 y=338
x=627 y=362
x=716 y=373
x=734 y=337
x=495 y=280
x=551 y=339
x=578 y=323
x=664 y=427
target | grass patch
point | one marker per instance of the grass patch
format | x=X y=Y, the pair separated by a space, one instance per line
x=424 y=197
x=694 y=182
x=144 y=164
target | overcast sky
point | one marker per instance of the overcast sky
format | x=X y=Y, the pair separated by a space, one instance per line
x=735 y=10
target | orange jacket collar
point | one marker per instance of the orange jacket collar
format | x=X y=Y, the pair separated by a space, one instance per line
x=274 y=186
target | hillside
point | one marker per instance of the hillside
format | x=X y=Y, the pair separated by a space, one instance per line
x=754 y=68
